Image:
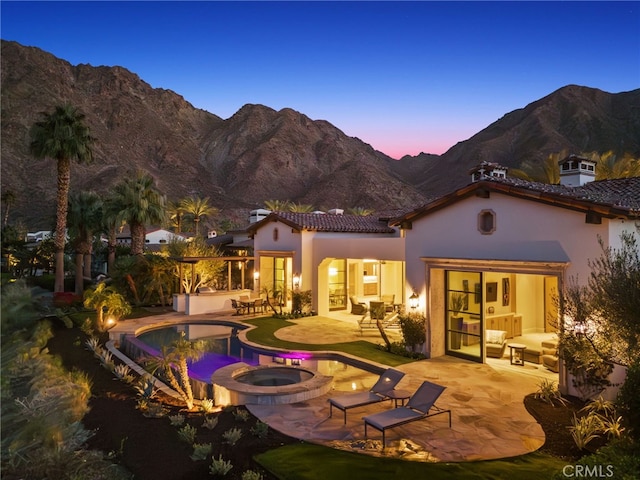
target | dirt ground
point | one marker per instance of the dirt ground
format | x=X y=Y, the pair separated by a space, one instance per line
x=150 y=448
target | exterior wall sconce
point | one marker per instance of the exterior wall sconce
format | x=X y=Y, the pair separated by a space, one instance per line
x=256 y=275
x=414 y=300
x=296 y=281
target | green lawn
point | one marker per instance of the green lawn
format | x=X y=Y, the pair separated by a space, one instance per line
x=264 y=334
x=310 y=462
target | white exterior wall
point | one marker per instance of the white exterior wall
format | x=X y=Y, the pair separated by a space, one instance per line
x=453 y=233
x=155 y=237
x=313 y=252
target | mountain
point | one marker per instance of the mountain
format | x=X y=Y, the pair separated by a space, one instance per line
x=574 y=118
x=259 y=153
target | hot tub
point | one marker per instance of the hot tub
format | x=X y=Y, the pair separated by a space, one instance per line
x=242 y=384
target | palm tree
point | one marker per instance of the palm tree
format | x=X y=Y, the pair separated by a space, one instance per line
x=61 y=136
x=111 y=221
x=177 y=356
x=84 y=218
x=106 y=301
x=545 y=172
x=300 y=208
x=360 y=211
x=141 y=204
x=277 y=205
x=610 y=166
x=8 y=198
x=175 y=211
x=197 y=207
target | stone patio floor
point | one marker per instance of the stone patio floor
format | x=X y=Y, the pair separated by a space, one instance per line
x=489 y=420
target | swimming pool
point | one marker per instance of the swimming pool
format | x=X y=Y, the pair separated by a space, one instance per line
x=225 y=350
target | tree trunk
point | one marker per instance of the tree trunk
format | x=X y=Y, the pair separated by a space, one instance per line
x=111 y=250
x=383 y=334
x=64 y=179
x=79 y=276
x=138 y=234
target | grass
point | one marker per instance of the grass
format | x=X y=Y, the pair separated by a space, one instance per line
x=309 y=462
x=264 y=334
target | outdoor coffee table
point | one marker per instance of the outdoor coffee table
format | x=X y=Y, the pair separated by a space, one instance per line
x=398 y=395
x=516 y=353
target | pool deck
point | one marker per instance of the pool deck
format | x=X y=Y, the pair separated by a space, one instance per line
x=489 y=420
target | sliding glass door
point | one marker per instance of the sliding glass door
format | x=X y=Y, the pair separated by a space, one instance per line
x=463 y=315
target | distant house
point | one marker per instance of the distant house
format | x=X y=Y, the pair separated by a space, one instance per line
x=155 y=237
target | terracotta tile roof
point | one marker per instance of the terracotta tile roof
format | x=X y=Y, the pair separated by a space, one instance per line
x=623 y=193
x=610 y=198
x=328 y=222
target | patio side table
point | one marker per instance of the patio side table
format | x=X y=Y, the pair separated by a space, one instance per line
x=398 y=395
x=516 y=353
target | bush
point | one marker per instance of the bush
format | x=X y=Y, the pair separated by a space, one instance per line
x=219 y=467
x=260 y=429
x=201 y=451
x=629 y=401
x=620 y=459
x=187 y=434
x=232 y=436
x=413 y=329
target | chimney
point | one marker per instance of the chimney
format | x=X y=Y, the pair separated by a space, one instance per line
x=336 y=211
x=488 y=169
x=575 y=171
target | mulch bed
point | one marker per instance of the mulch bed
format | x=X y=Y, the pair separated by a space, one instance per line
x=150 y=448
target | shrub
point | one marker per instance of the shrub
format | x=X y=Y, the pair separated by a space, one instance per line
x=187 y=434
x=260 y=429
x=201 y=451
x=207 y=405
x=146 y=388
x=629 y=400
x=251 y=475
x=413 y=329
x=123 y=372
x=619 y=459
x=219 y=467
x=585 y=429
x=232 y=436
x=176 y=420
x=548 y=392
x=241 y=415
x=210 y=422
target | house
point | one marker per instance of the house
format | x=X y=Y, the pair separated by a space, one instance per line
x=504 y=247
x=331 y=254
x=155 y=237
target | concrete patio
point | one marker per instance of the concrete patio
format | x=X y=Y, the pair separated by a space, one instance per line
x=489 y=420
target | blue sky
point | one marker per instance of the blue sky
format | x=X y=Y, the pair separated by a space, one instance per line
x=405 y=77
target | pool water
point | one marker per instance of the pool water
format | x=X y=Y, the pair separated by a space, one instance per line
x=224 y=348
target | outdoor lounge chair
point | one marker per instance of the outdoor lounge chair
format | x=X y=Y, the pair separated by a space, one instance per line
x=358 y=308
x=419 y=406
x=386 y=383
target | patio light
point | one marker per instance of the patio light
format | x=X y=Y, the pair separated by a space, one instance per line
x=414 y=300
x=296 y=281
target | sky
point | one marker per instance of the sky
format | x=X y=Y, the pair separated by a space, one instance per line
x=404 y=77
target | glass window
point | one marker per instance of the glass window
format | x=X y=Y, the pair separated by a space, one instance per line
x=463 y=315
x=338 y=284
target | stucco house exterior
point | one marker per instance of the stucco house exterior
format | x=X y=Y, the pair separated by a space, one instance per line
x=502 y=245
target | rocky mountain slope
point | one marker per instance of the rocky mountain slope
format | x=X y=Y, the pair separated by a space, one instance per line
x=259 y=153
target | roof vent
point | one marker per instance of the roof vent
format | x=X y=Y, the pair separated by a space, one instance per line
x=575 y=171
x=336 y=211
x=488 y=169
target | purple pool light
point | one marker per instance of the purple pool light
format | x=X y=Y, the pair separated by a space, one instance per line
x=209 y=363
